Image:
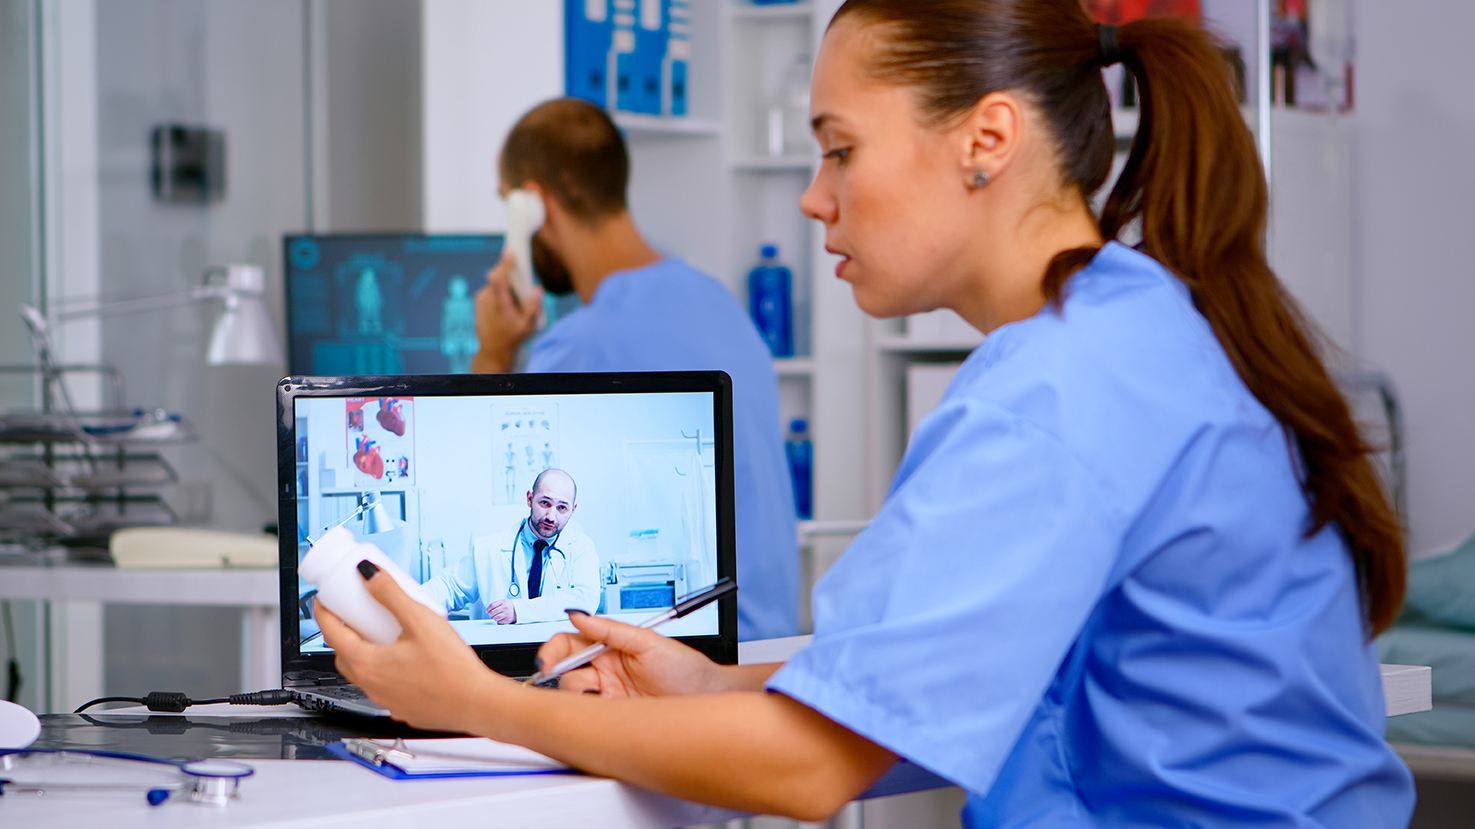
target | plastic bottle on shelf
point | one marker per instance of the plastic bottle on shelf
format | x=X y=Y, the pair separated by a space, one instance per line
x=788 y=111
x=798 y=138
x=770 y=302
x=801 y=467
x=332 y=565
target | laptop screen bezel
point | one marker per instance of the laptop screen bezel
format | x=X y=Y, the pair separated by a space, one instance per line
x=509 y=659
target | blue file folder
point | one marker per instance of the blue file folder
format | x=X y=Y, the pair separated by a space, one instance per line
x=587 y=33
x=639 y=57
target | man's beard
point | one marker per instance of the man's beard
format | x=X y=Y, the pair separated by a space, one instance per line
x=552 y=272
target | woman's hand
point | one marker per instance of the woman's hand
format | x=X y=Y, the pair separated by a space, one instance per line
x=428 y=677
x=639 y=662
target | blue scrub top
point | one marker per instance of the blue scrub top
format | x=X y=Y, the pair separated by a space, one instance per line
x=1089 y=599
x=671 y=317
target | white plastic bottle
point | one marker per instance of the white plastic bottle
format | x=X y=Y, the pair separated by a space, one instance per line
x=332 y=565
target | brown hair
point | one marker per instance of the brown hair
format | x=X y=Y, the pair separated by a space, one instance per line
x=1194 y=181
x=573 y=150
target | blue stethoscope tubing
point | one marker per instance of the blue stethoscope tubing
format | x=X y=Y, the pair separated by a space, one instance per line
x=213 y=781
x=515 y=588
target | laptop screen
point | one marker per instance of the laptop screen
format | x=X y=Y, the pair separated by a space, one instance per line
x=513 y=498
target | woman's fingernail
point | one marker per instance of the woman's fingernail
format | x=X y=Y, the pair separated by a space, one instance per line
x=367 y=569
x=538 y=663
x=572 y=610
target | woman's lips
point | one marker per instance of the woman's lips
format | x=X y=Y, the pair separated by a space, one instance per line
x=839 y=266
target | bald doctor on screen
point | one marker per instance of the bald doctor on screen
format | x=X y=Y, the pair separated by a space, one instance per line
x=530 y=571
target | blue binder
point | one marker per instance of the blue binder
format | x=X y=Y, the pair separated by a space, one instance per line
x=678 y=54
x=587 y=32
x=640 y=55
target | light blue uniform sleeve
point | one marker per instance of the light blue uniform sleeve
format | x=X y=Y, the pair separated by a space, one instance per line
x=940 y=628
x=456 y=586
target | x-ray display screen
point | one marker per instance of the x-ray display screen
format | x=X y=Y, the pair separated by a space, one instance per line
x=385 y=304
x=511 y=509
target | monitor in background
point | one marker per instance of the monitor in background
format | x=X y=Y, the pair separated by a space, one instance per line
x=384 y=303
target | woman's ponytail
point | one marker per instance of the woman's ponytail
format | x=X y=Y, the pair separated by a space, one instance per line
x=1194 y=181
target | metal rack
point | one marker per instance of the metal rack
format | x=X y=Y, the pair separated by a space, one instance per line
x=70 y=478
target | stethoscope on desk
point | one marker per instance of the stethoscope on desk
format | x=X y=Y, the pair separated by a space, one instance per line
x=514 y=589
x=59 y=771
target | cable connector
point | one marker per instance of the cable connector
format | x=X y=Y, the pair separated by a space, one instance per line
x=276 y=696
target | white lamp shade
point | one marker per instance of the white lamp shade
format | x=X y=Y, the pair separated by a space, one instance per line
x=244 y=334
x=377 y=518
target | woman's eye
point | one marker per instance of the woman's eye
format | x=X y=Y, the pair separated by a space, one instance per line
x=840 y=154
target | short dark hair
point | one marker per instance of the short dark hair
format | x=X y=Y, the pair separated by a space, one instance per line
x=573 y=150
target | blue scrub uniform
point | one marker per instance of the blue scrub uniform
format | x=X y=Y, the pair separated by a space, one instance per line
x=670 y=317
x=1089 y=599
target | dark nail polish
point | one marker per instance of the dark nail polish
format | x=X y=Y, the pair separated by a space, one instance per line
x=367 y=569
x=538 y=663
x=572 y=610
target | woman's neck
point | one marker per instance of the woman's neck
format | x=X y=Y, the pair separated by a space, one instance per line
x=1007 y=285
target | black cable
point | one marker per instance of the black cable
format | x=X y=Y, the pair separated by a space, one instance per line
x=174 y=702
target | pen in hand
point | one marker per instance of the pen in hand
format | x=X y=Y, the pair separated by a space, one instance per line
x=687 y=605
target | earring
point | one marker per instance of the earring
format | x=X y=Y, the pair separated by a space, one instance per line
x=980 y=179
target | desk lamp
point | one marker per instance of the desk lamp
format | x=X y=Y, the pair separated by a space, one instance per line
x=243 y=333
x=376 y=517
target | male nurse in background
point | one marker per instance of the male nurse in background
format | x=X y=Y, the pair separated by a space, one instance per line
x=643 y=312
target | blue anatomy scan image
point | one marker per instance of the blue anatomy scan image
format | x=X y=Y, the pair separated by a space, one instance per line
x=385 y=303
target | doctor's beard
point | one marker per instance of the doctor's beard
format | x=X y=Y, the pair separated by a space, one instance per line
x=552 y=272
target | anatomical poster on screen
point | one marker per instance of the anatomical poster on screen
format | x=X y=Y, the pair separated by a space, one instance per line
x=380 y=440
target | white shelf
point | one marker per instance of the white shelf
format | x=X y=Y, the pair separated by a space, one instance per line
x=901 y=344
x=775 y=11
x=812 y=529
x=775 y=164
x=635 y=126
x=793 y=366
x=1124 y=122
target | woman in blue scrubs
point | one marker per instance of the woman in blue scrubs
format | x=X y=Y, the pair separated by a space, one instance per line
x=1128 y=570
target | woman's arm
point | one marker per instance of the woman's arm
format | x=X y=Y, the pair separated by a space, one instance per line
x=747 y=750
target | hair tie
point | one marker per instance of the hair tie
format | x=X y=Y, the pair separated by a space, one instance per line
x=1111 y=52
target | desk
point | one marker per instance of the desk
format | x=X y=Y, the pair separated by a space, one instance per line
x=317 y=793
x=73 y=599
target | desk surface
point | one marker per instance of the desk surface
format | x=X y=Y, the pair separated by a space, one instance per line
x=232 y=587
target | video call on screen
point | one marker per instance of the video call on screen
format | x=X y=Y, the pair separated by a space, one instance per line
x=455 y=474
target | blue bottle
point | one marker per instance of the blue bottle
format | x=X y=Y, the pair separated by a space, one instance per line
x=801 y=467
x=770 y=304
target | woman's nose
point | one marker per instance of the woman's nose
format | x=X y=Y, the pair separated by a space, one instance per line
x=818 y=202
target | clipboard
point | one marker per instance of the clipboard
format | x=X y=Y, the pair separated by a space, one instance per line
x=443 y=758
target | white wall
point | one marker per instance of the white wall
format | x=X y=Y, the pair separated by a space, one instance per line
x=1413 y=179
x=486 y=62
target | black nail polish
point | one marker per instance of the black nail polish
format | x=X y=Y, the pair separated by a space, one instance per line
x=367 y=569
x=572 y=610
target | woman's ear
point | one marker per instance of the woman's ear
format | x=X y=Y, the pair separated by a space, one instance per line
x=990 y=138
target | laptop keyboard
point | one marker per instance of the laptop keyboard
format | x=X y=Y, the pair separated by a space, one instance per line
x=344 y=692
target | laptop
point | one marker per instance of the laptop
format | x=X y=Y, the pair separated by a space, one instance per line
x=633 y=478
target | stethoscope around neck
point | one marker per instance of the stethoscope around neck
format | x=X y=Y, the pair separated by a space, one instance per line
x=515 y=588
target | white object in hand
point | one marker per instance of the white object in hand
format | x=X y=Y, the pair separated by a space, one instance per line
x=524 y=216
x=18 y=726
x=332 y=565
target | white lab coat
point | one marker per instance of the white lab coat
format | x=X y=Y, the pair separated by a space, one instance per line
x=485 y=575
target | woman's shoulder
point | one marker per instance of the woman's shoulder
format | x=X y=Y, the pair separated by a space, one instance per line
x=1125 y=333
x=1124 y=373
